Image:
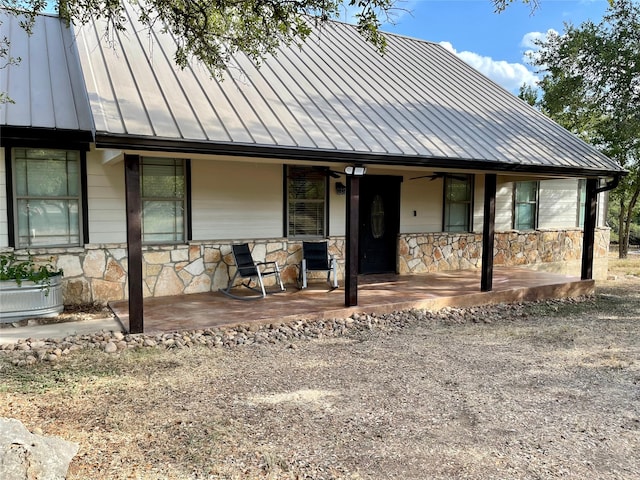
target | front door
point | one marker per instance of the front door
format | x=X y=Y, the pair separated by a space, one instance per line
x=379 y=223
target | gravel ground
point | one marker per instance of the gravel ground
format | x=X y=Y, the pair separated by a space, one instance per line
x=541 y=390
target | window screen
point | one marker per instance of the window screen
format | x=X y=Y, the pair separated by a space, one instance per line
x=525 y=215
x=47 y=197
x=306 y=202
x=162 y=183
x=458 y=194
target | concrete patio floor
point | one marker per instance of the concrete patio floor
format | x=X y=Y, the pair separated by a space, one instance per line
x=376 y=294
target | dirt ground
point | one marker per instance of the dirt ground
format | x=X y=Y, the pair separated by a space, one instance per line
x=539 y=391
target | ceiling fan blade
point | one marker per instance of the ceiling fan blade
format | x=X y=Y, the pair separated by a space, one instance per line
x=430 y=177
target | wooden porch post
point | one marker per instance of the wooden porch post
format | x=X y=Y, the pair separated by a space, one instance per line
x=488 y=232
x=134 y=241
x=352 y=233
x=589 y=230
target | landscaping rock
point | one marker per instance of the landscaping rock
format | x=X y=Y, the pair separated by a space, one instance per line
x=26 y=456
x=243 y=336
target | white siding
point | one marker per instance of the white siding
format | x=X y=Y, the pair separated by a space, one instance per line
x=424 y=197
x=244 y=200
x=558 y=203
x=4 y=232
x=504 y=205
x=106 y=200
x=236 y=200
x=557 y=208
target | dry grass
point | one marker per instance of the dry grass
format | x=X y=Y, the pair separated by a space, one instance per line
x=548 y=391
x=629 y=266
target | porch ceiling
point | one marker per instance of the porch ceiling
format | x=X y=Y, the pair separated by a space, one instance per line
x=376 y=294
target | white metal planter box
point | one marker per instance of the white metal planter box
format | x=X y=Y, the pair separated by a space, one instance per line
x=30 y=299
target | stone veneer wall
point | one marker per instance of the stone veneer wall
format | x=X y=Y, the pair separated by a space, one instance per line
x=98 y=273
x=551 y=250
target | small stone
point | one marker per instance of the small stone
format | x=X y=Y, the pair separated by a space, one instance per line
x=30 y=360
x=148 y=342
x=110 y=347
x=52 y=358
x=118 y=335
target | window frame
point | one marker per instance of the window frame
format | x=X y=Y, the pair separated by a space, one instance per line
x=319 y=171
x=470 y=177
x=185 y=202
x=12 y=197
x=536 y=204
x=582 y=201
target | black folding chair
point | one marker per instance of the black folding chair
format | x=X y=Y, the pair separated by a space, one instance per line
x=315 y=257
x=251 y=271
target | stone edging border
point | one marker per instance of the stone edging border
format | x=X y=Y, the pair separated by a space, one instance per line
x=30 y=351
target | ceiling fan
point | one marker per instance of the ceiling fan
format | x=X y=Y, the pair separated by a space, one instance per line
x=435 y=175
x=333 y=173
x=320 y=170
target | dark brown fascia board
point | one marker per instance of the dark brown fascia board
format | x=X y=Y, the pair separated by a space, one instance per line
x=45 y=137
x=128 y=142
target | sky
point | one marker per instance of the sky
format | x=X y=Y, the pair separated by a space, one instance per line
x=494 y=43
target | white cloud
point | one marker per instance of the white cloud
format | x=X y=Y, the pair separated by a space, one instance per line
x=529 y=43
x=509 y=75
x=529 y=39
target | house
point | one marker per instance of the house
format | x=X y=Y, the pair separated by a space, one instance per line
x=137 y=176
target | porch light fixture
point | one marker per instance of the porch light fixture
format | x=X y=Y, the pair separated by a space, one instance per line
x=355 y=170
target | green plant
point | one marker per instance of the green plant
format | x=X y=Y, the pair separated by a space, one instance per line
x=12 y=268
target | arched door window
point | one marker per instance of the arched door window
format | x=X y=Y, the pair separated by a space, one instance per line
x=377 y=217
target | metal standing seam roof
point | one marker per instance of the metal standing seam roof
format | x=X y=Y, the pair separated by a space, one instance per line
x=336 y=98
x=47 y=85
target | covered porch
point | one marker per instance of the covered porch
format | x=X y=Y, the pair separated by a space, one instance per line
x=377 y=294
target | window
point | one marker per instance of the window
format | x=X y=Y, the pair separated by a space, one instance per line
x=582 y=200
x=458 y=195
x=306 y=202
x=525 y=205
x=47 y=197
x=163 y=192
